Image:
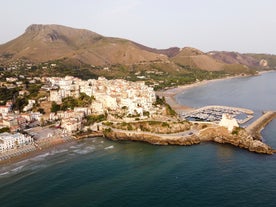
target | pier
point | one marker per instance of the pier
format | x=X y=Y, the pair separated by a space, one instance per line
x=255 y=128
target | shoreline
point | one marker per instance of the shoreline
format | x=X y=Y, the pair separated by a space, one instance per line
x=169 y=94
x=48 y=146
x=39 y=150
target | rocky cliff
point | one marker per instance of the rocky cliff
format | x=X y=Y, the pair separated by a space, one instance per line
x=242 y=139
x=215 y=134
x=157 y=139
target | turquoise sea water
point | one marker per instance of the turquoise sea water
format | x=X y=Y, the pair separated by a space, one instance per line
x=99 y=172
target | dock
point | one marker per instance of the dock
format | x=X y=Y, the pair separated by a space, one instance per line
x=256 y=127
x=214 y=114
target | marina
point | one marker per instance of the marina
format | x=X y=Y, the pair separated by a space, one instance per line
x=214 y=114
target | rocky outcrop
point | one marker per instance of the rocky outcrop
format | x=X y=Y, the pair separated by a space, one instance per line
x=242 y=139
x=216 y=134
x=154 y=139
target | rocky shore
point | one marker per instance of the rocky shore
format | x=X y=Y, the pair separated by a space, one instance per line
x=215 y=134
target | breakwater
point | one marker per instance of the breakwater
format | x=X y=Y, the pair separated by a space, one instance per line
x=256 y=127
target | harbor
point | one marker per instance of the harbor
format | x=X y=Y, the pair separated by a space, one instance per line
x=214 y=114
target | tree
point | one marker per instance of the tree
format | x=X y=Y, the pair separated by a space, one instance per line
x=85 y=100
x=55 y=107
x=68 y=103
x=4 y=129
x=20 y=103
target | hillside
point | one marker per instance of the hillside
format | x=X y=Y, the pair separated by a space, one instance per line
x=78 y=48
x=191 y=57
x=268 y=59
x=235 y=58
x=42 y=43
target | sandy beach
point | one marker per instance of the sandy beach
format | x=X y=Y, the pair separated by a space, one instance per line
x=44 y=147
x=170 y=94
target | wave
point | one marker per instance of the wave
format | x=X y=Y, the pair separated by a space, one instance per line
x=4 y=173
x=40 y=157
x=109 y=147
x=85 y=150
x=58 y=151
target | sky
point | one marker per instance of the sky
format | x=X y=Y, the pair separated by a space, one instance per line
x=224 y=25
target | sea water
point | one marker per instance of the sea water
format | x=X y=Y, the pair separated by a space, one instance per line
x=99 y=172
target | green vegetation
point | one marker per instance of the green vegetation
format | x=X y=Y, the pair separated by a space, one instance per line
x=162 y=102
x=20 y=103
x=107 y=130
x=55 y=107
x=33 y=89
x=7 y=94
x=271 y=59
x=154 y=126
x=91 y=119
x=70 y=103
x=108 y=123
x=4 y=129
x=146 y=113
x=236 y=130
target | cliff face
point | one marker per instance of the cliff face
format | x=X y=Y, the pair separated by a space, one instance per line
x=154 y=139
x=215 y=134
x=242 y=139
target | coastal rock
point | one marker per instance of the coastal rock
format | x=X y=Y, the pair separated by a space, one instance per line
x=242 y=139
x=211 y=133
x=154 y=139
x=258 y=146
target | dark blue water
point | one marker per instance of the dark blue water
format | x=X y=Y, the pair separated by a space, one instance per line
x=98 y=172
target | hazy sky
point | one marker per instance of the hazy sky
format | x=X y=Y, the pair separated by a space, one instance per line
x=230 y=25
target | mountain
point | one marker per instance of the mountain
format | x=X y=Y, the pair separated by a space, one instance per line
x=42 y=43
x=197 y=59
x=235 y=58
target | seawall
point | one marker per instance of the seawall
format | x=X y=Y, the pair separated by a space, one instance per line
x=257 y=126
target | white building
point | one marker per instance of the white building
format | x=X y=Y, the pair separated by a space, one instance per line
x=229 y=122
x=30 y=105
x=71 y=125
x=109 y=94
x=10 y=141
x=4 y=110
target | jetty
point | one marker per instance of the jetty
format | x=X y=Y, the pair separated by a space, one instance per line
x=256 y=127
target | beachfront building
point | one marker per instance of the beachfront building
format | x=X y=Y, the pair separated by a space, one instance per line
x=11 y=141
x=229 y=122
x=71 y=125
